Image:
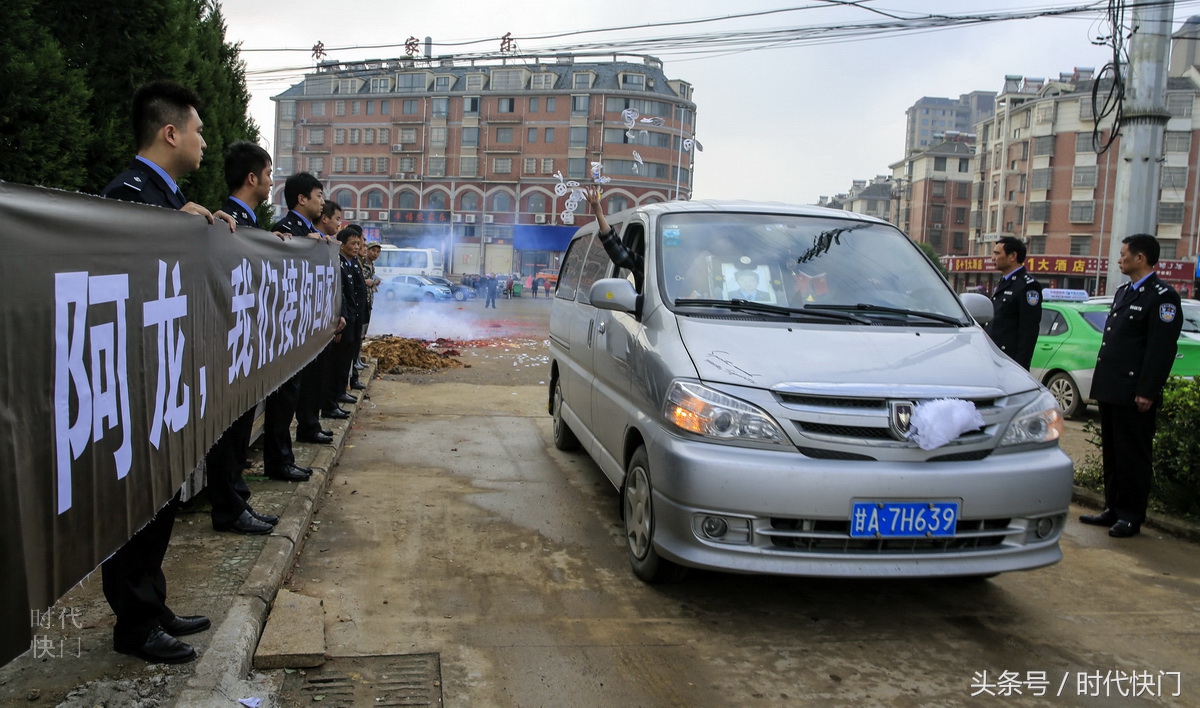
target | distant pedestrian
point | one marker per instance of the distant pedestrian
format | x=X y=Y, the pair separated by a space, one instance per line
x=1141 y=336
x=489 y=290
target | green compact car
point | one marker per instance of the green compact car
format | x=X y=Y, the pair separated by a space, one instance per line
x=1069 y=339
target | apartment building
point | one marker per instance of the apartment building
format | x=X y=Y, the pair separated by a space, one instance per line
x=931 y=118
x=467 y=155
x=932 y=188
x=1041 y=175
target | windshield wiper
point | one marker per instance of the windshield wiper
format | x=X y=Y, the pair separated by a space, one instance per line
x=751 y=306
x=867 y=307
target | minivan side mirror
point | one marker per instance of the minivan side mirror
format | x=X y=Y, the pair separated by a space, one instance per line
x=615 y=294
x=979 y=307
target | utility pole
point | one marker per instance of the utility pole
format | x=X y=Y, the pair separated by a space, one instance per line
x=1136 y=199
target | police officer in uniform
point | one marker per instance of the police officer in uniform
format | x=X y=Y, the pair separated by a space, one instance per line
x=1141 y=336
x=1017 y=303
x=167 y=130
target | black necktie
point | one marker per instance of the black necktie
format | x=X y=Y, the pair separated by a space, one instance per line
x=179 y=195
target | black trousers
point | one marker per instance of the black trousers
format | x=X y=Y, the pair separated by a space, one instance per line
x=1127 y=448
x=227 y=491
x=341 y=366
x=313 y=384
x=278 y=410
x=133 y=579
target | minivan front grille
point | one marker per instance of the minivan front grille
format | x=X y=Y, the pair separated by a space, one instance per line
x=844 y=431
x=833 y=537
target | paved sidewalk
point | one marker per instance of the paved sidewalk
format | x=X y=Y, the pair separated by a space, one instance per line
x=231 y=578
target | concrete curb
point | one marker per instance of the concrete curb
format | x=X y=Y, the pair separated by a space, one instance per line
x=221 y=674
x=1162 y=522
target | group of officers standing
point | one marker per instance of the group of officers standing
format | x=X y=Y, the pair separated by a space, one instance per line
x=1137 y=350
x=170 y=144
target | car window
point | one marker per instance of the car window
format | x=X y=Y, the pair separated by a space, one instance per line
x=1047 y=327
x=596 y=265
x=1191 y=318
x=568 y=282
x=1096 y=319
x=635 y=240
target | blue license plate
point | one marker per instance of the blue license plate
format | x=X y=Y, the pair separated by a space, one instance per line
x=884 y=519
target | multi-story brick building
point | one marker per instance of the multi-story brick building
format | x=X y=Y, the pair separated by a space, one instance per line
x=465 y=155
x=932 y=189
x=1040 y=177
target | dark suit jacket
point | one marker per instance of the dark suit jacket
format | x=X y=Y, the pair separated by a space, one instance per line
x=138 y=183
x=291 y=223
x=1141 y=336
x=352 y=288
x=239 y=213
x=1018 y=313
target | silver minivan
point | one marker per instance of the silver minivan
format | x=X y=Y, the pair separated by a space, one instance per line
x=751 y=396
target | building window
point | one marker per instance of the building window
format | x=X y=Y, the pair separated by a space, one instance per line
x=356 y=108
x=1086 y=111
x=548 y=137
x=409 y=106
x=633 y=82
x=408 y=135
x=441 y=83
x=501 y=202
x=339 y=165
x=385 y=107
x=1043 y=145
x=1170 y=212
x=381 y=165
x=579 y=136
x=348 y=86
x=437 y=167
x=502 y=165
x=1081 y=212
x=355 y=136
x=506 y=80
x=1177 y=141
x=470 y=202
x=440 y=106
x=315 y=165
x=1081 y=245
x=316 y=136
x=537 y=203
x=385 y=136
x=344 y=199
x=1037 y=244
x=1180 y=104
x=542 y=82
x=437 y=136
x=533 y=104
x=506 y=105
x=1039 y=211
x=960 y=215
x=581 y=80
x=1041 y=178
x=368 y=136
x=406 y=164
x=370 y=108
x=577 y=167
x=368 y=165
x=935 y=238
x=339 y=136
x=1166 y=249
x=939 y=164
x=547 y=165
x=406 y=200
x=339 y=108
x=1083 y=142
x=352 y=165
x=530 y=165
x=531 y=135
x=283 y=166
x=317 y=108
x=960 y=240
x=504 y=135
x=1174 y=177
x=579 y=104
x=938 y=188
x=475 y=82
x=470 y=136
x=962 y=190
x=1084 y=177
x=410 y=83
x=470 y=105
x=551 y=104
x=468 y=166
x=287 y=110
x=964 y=164
x=617 y=203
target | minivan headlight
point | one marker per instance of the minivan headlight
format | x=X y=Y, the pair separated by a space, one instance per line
x=1038 y=422
x=698 y=409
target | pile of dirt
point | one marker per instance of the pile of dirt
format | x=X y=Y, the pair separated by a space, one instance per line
x=397 y=355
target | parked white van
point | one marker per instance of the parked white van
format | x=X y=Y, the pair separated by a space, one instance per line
x=752 y=396
x=395 y=261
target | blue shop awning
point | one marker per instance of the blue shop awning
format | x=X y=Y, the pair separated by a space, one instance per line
x=542 y=238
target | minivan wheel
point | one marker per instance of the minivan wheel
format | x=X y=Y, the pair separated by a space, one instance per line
x=564 y=437
x=1066 y=392
x=637 y=510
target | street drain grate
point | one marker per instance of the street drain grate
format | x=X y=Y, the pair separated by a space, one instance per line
x=390 y=680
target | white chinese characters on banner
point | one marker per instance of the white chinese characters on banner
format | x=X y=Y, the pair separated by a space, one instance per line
x=239 y=342
x=172 y=397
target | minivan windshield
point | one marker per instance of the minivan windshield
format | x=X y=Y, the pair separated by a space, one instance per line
x=800 y=264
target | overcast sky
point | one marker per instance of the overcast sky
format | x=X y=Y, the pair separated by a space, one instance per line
x=787 y=123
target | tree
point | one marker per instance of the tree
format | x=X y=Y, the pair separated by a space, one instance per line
x=934 y=258
x=43 y=120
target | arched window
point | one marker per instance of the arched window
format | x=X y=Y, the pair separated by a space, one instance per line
x=374 y=199
x=470 y=202
x=537 y=203
x=617 y=203
x=501 y=202
x=344 y=198
x=436 y=200
x=408 y=200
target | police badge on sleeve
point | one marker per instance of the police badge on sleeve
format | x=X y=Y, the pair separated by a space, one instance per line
x=1166 y=313
x=1033 y=297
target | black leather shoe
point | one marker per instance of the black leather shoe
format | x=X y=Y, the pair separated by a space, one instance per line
x=336 y=413
x=1108 y=517
x=346 y=398
x=306 y=471
x=358 y=385
x=265 y=518
x=1125 y=529
x=326 y=432
x=246 y=524
x=159 y=648
x=182 y=626
x=290 y=473
x=318 y=438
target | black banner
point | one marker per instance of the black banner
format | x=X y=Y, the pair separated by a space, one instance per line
x=132 y=337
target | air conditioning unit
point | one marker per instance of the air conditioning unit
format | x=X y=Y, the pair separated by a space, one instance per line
x=303 y=148
x=382 y=216
x=935 y=226
x=397 y=147
x=456 y=218
x=347 y=214
x=303 y=121
x=470 y=218
x=487 y=239
x=487 y=218
x=539 y=218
